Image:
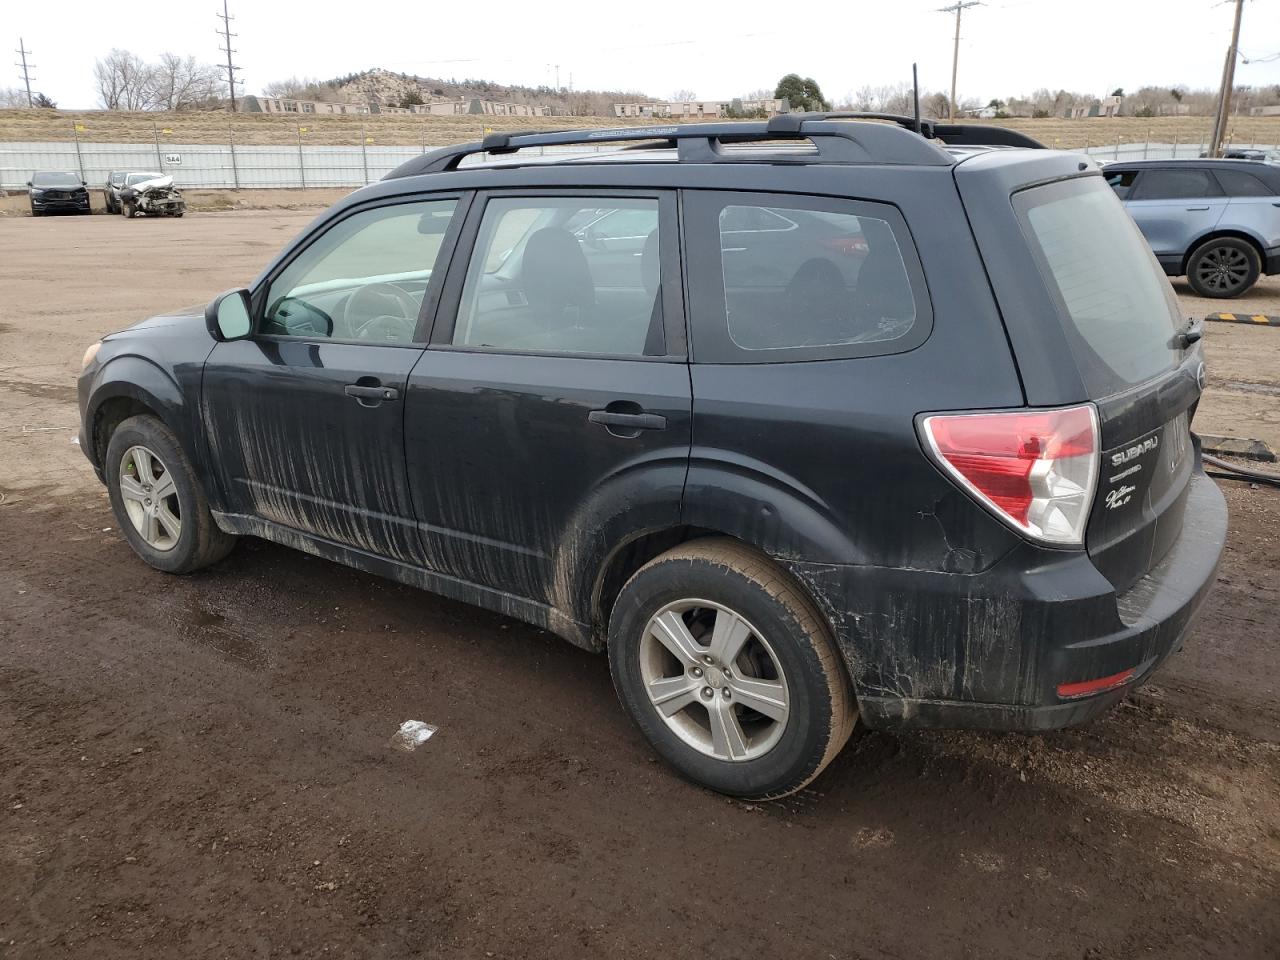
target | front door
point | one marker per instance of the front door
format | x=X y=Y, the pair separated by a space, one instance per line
x=305 y=420
x=1174 y=207
x=555 y=397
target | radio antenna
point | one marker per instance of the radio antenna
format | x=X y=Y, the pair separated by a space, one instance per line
x=915 y=96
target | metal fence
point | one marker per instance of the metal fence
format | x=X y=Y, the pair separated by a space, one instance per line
x=231 y=165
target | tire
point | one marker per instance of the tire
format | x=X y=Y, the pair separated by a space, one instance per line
x=1223 y=267
x=35 y=212
x=127 y=210
x=198 y=542
x=788 y=649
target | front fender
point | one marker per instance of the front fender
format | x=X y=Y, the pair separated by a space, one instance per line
x=138 y=379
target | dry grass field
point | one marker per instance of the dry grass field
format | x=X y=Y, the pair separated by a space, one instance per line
x=406 y=129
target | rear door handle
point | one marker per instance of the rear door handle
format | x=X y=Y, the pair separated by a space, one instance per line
x=628 y=421
x=1198 y=208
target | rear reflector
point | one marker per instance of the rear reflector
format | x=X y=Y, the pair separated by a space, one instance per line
x=1035 y=469
x=1070 y=691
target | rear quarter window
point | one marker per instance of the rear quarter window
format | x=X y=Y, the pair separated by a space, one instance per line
x=782 y=278
x=1115 y=302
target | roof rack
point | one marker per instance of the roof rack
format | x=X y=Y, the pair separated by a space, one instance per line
x=903 y=142
x=952 y=134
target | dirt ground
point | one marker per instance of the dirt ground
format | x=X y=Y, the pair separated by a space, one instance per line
x=201 y=766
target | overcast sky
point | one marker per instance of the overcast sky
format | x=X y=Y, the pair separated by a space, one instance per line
x=1008 y=47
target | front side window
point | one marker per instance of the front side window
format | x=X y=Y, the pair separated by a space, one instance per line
x=565 y=275
x=1177 y=185
x=364 y=278
x=1122 y=182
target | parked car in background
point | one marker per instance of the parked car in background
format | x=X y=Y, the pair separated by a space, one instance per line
x=111 y=192
x=150 y=194
x=1216 y=222
x=1250 y=153
x=696 y=406
x=52 y=191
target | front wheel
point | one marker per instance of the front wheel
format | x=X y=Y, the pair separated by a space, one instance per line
x=127 y=210
x=157 y=499
x=1223 y=267
x=729 y=670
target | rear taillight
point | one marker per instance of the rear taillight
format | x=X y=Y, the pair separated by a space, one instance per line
x=1036 y=469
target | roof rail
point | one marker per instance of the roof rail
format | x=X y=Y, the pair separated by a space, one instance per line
x=952 y=134
x=704 y=142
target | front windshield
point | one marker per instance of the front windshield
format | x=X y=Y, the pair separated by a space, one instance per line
x=55 y=180
x=140 y=177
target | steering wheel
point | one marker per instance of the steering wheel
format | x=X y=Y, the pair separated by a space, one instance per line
x=381 y=311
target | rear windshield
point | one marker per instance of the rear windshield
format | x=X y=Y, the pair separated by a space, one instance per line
x=1119 y=309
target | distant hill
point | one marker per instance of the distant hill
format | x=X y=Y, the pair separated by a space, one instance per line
x=385 y=88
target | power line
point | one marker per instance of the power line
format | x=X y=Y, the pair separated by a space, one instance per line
x=226 y=34
x=957 y=8
x=22 y=51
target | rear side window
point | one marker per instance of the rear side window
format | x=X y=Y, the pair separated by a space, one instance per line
x=1177 y=185
x=565 y=275
x=1241 y=183
x=785 y=278
x=1118 y=307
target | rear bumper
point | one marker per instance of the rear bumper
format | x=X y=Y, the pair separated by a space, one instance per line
x=989 y=650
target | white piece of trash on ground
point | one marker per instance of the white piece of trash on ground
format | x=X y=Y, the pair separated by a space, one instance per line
x=411 y=735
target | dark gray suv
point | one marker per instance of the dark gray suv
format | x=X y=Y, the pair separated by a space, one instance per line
x=803 y=422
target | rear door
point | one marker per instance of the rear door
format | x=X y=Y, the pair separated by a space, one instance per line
x=1174 y=207
x=1121 y=322
x=1253 y=204
x=555 y=395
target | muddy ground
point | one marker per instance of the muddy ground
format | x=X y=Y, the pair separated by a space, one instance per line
x=201 y=766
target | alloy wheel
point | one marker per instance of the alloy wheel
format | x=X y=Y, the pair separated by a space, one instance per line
x=714 y=680
x=150 y=498
x=1223 y=268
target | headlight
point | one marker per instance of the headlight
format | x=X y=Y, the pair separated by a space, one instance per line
x=36 y=193
x=90 y=354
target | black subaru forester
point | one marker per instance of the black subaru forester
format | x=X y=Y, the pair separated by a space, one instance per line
x=803 y=422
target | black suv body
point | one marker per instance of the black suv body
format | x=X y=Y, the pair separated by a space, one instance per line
x=53 y=191
x=853 y=425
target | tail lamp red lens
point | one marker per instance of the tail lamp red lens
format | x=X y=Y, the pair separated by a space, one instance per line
x=1035 y=469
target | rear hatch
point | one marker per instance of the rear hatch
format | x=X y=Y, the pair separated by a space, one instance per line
x=1108 y=313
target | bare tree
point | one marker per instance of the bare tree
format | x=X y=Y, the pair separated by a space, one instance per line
x=683 y=96
x=304 y=88
x=179 y=83
x=12 y=97
x=123 y=81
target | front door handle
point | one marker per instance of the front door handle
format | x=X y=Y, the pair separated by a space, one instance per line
x=628 y=421
x=1198 y=208
x=368 y=395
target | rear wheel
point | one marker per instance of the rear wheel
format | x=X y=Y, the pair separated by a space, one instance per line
x=1223 y=267
x=158 y=501
x=729 y=671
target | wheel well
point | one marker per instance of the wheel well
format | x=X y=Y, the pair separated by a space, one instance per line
x=1219 y=235
x=110 y=415
x=626 y=560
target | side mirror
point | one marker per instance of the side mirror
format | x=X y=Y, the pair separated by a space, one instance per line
x=228 y=317
x=84 y=183
x=29 y=183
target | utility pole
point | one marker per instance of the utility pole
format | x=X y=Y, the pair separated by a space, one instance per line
x=1228 y=83
x=226 y=35
x=22 y=51
x=956 y=8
